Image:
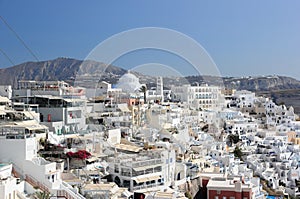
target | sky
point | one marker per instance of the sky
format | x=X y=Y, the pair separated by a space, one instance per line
x=243 y=38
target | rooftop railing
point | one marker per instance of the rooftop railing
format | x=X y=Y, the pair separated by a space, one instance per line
x=145 y=186
x=66 y=190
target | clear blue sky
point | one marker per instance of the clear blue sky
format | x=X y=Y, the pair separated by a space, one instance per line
x=243 y=37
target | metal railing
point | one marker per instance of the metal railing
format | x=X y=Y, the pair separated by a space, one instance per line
x=36 y=183
x=145 y=186
x=17 y=171
x=146 y=163
x=20 y=195
x=67 y=192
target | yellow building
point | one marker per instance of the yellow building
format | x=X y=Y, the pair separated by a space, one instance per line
x=292 y=137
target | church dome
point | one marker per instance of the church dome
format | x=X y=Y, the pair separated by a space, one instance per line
x=129 y=83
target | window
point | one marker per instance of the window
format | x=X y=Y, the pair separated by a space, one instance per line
x=232 y=198
x=216 y=197
x=224 y=197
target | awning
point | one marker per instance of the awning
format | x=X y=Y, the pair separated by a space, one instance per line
x=123 y=107
x=126 y=147
x=146 y=167
x=31 y=125
x=164 y=195
x=139 y=168
x=28 y=114
x=154 y=178
x=89 y=172
x=74 y=181
x=139 y=180
x=126 y=193
x=92 y=159
x=39 y=127
x=27 y=124
x=146 y=179
x=51 y=97
x=74 y=100
x=4 y=99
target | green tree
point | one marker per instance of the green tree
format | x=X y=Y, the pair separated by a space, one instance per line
x=143 y=89
x=232 y=139
x=188 y=195
x=42 y=195
x=238 y=152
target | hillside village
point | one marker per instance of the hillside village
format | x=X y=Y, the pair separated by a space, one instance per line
x=133 y=141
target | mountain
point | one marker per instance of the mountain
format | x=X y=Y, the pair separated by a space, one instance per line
x=66 y=69
x=262 y=83
x=86 y=73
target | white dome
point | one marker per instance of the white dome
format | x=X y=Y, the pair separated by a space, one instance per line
x=129 y=83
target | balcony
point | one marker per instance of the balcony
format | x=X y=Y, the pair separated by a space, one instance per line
x=146 y=171
x=73 y=120
x=127 y=174
x=148 y=186
x=146 y=163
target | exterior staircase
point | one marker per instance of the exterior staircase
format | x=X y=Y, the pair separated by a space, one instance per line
x=36 y=184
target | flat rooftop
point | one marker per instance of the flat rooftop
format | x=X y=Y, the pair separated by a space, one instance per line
x=225 y=184
x=101 y=187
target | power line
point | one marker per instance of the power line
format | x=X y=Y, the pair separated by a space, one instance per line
x=7 y=57
x=19 y=38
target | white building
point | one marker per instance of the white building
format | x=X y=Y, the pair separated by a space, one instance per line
x=20 y=148
x=56 y=88
x=61 y=115
x=244 y=98
x=152 y=170
x=10 y=187
x=104 y=190
x=279 y=114
x=243 y=128
x=103 y=89
x=6 y=91
x=209 y=117
x=200 y=97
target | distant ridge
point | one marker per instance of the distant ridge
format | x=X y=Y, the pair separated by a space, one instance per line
x=86 y=73
x=262 y=83
x=69 y=69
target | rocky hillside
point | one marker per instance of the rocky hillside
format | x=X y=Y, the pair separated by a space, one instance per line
x=58 y=69
x=87 y=72
x=263 y=83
